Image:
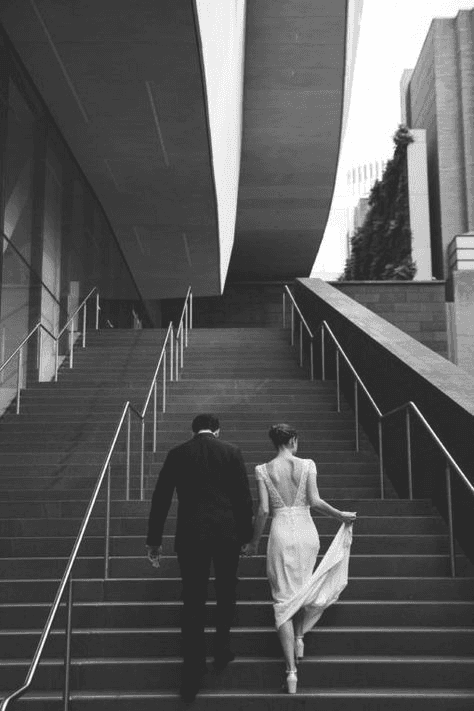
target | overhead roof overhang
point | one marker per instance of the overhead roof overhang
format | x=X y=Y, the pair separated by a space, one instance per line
x=126 y=85
x=295 y=64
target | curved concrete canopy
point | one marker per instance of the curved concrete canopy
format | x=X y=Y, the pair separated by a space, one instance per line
x=124 y=82
x=293 y=99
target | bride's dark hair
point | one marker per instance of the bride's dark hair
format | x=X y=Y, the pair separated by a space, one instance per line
x=282 y=434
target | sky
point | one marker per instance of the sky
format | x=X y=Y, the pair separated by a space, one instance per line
x=390 y=40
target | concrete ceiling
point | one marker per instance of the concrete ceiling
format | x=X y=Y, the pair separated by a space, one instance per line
x=124 y=83
x=293 y=95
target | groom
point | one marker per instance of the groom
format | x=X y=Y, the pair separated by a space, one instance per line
x=214 y=522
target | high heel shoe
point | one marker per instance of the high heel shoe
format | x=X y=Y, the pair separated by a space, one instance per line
x=299 y=649
x=291 y=681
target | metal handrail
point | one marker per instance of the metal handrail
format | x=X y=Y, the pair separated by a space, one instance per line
x=127 y=412
x=294 y=306
x=66 y=578
x=184 y=325
x=83 y=302
x=176 y=361
x=406 y=407
x=39 y=328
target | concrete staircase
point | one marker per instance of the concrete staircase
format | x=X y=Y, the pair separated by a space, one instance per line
x=402 y=635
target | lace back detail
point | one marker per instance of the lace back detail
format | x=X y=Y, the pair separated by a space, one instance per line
x=276 y=500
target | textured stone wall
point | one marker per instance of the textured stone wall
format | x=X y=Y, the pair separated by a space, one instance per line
x=417 y=308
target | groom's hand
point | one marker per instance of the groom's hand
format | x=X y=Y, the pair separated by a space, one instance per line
x=154 y=555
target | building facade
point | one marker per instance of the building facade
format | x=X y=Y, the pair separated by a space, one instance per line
x=439 y=98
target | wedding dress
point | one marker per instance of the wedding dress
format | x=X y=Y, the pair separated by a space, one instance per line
x=293 y=547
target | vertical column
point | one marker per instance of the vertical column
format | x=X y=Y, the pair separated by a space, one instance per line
x=4 y=72
x=37 y=234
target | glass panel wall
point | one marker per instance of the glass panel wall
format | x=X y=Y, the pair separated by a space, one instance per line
x=57 y=243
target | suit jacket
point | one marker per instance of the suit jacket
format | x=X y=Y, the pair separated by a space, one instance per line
x=214 y=498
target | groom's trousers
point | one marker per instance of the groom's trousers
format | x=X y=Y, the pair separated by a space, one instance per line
x=195 y=564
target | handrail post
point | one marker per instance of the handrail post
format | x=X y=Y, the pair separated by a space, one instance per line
x=186 y=323
x=381 y=463
x=301 y=344
x=2 y=352
x=39 y=347
x=181 y=344
x=311 y=356
x=323 y=354
x=292 y=324
x=154 y=415
x=171 y=354
x=71 y=345
x=84 y=322
x=67 y=655
x=409 y=458
x=142 y=462
x=97 y=310
x=338 y=384
x=56 y=360
x=129 y=431
x=284 y=310
x=18 y=380
x=164 y=383
x=107 y=523
x=176 y=356
x=452 y=552
x=356 y=412
x=191 y=325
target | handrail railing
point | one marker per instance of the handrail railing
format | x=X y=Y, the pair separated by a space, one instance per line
x=39 y=329
x=105 y=473
x=184 y=325
x=407 y=407
x=67 y=577
x=295 y=307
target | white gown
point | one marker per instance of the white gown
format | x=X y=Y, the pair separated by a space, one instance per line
x=293 y=546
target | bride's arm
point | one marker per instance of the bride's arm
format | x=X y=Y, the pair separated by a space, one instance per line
x=319 y=504
x=261 y=517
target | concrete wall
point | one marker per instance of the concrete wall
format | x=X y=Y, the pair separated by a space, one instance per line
x=417 y=308
x=396 y=369
x=253 y=304
x=462 y=319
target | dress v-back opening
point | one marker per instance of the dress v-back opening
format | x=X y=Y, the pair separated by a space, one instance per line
x=284 y=497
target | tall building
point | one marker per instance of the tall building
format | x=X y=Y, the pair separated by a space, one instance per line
x=439 y=97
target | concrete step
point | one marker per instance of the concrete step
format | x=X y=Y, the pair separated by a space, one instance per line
x=123 y=525
x=250 y=613
x=437 y=589
x=133 y=567
x=9 y=486
x=136 y=525
x=249 y=641
x=66 y=508
x=28 y=546
x=358 y=698
x=252 y=673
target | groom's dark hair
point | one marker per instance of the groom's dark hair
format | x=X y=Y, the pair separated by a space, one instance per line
x=205 y=422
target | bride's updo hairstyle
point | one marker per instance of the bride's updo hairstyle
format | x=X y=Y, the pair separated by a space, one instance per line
x=281 y=435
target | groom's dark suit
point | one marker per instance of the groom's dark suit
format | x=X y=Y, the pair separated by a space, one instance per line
x=214 y=520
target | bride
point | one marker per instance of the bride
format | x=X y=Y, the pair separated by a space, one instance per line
x=287 y=488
